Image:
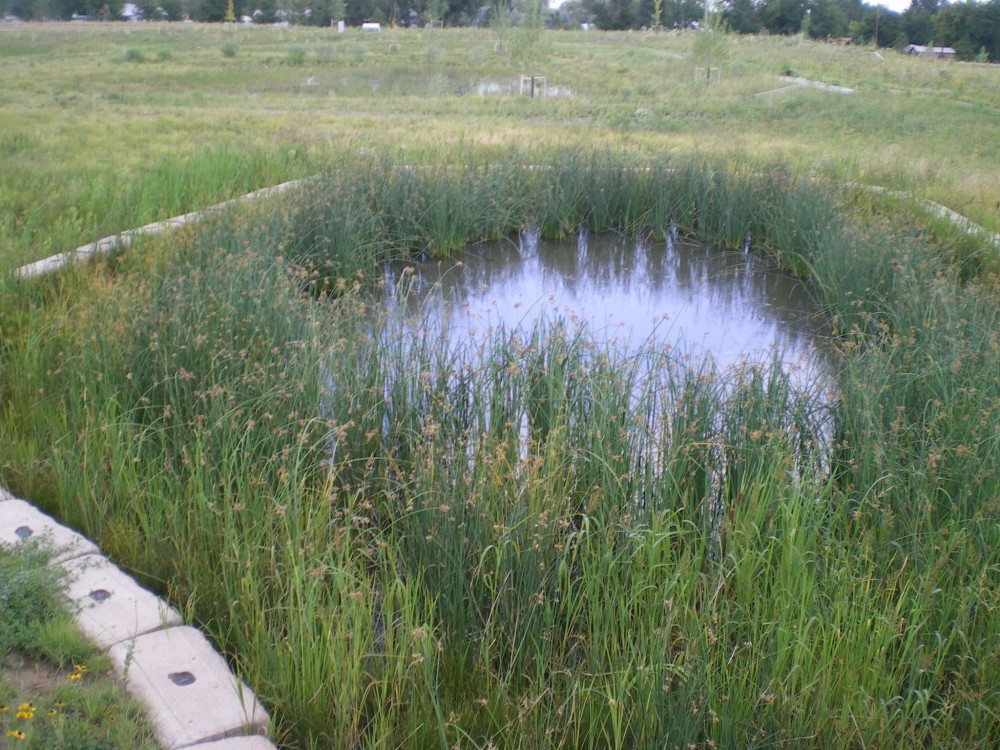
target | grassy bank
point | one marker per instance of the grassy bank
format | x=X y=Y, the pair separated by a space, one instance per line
x=401 y=544
x=105 y=126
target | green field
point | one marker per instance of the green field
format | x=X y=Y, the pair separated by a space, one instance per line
x=543 y=545
x=103 y=127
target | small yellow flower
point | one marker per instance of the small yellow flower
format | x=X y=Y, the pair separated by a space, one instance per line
x=4 y=709
x=16 y=734
x=25 y=713
x=74 y=675
x=79 y=667
x=25 y=707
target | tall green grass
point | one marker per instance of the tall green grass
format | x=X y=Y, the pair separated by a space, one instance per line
x=533 y=541
x=51 y=212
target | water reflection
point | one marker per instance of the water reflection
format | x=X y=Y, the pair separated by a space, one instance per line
x=631 y=292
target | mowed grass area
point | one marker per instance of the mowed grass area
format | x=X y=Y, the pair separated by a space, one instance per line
x=534 y=543
x=103 y=127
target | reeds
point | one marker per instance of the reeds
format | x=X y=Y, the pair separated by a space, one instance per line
x=533 y=541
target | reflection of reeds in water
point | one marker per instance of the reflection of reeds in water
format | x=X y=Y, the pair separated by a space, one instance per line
x=551 y=547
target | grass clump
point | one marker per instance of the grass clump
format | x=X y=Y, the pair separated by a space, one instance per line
x=532 y=541
x=134 y=55
x=56 y=690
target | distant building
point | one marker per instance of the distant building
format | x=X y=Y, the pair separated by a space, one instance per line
x=921 y=51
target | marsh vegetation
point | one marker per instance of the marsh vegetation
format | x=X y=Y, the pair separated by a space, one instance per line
x=572 y=548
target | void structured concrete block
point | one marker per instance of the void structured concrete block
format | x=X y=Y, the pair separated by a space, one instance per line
x=189 y=693
x=20 y=521
x=110 y=606
x=250 y=742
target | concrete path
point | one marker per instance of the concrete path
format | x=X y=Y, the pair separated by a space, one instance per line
x=191 y=697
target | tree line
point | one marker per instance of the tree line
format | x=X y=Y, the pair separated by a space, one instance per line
x=971 y=28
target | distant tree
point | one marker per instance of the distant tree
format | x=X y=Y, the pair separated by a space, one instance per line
x=679 y=13
x=104 y=9
x=359 y=11
x=212 y=10
x=711 y=45
x=267 y=10
x=964 y=49
x=326 y=12
x=36 y=10
x=918 y=23
x=827 y=19
x=611 y=15
x=499 y=16
x=783 y=16
x=161 y=10
x=434 y=11
x=741 y=16
x=529 y=47
x=984 y=28
x=572 y=14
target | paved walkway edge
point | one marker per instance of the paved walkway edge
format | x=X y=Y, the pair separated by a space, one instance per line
x=192 y=698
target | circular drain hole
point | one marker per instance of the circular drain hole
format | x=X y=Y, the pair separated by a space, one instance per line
x=99 y=595
x=181 y=678
x=23 y=532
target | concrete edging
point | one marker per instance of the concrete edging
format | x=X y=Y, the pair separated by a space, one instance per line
x=124 y=239
x=190 y=695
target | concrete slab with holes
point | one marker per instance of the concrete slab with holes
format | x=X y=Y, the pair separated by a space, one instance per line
x=110 y=606
x=192 y=698
x=186 y=687
x=21 y=521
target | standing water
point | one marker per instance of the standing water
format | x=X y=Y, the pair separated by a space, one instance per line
x=629 y=292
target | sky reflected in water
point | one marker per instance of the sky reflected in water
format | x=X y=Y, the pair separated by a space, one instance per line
x=632 y=292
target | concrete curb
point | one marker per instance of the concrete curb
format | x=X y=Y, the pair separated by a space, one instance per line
x=123 y=240
x=191 y=697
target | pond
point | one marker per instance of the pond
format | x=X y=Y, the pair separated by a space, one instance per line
x=629 y=292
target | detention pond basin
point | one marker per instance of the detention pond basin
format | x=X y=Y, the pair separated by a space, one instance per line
x=631 y=293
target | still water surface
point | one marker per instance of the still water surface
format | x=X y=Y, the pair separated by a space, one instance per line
x=630 y=292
